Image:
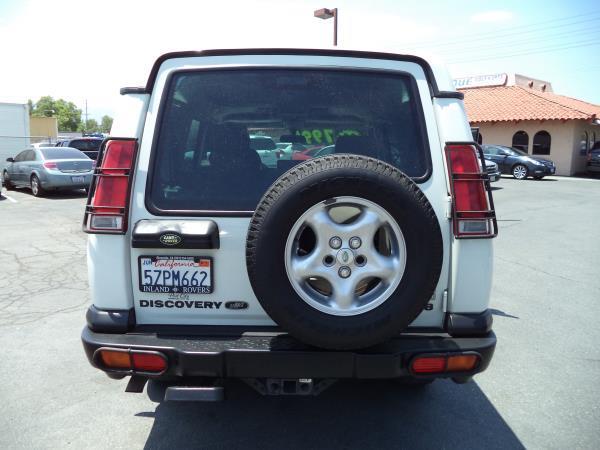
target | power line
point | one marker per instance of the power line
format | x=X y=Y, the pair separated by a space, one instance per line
x=541 y=50
x=521 y=43
x=489 y=50
x=531 y=28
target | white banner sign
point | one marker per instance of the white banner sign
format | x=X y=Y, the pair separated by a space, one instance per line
x=498 y=79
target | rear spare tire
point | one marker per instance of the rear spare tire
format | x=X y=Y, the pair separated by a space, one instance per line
x=344 y=251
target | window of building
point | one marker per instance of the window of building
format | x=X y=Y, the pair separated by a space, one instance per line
x=583 y=144
x=520 y=140
x=541 y=143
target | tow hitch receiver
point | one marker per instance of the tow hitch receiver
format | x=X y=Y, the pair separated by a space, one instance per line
x=289 y=386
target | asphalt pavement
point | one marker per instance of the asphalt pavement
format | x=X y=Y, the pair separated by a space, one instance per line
x=542 y=389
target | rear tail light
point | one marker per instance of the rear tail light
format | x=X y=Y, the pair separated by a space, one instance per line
x=148 y=362
x=462 y=363
x=115 y=359
x=130 y=360
x=108 y=202
x=50 y=165
x=432 y=364
x=473 y=214
x=435 y=364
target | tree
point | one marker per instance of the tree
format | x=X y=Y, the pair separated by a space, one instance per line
x=67 y=113
x=90 y=127
x=106 y=124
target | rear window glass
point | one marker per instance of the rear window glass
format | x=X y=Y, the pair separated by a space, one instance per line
x=62 y=153
x=262 y=143
x=216 y=148
x=92 y=144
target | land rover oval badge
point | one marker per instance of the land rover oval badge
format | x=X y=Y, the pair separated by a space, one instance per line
x=169 y=239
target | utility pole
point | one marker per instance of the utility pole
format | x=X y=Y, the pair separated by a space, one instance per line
x=86 y=118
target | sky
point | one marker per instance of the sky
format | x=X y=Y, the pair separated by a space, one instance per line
x=86 y=50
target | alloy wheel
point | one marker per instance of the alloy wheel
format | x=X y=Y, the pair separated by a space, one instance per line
x=35 y=186
x=352 y=260
x=520 y=172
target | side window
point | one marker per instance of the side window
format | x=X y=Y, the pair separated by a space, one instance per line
x=520 y=140
x=30 y=155
x=541 y=143
x=21 y=156
x=77 y=144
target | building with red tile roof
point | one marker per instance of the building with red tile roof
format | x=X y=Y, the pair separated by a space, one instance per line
x=522 y=112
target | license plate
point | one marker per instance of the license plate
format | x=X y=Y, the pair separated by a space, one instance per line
x=78 y=179
x=176 y=274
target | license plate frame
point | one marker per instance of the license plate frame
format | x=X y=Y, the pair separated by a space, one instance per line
x=79 y=180
x=154 y=288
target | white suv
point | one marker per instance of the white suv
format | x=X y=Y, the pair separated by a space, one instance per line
x=374 y=261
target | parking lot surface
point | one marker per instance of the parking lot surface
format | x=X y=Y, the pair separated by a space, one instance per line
x=542 y=389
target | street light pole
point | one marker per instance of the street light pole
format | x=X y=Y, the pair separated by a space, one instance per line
x=335 y=21
x=325 y=13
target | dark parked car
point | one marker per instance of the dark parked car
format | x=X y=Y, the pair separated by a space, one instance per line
x=492 y=170
x=593 y=159
x=518 y=163
x=48 y=168
x=88 y=145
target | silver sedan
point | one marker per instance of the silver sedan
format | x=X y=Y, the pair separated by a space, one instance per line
x=48 y=168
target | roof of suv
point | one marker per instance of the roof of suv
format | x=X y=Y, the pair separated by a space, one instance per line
x=440 y=83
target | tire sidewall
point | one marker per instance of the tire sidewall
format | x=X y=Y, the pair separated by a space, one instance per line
x=6 y=180
x=418 y=281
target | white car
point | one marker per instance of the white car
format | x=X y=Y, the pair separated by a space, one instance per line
x=266 y=149
x=207 y=261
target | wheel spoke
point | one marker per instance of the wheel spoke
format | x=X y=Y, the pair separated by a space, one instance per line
x=322 y=224
x=344 y=292
x=305 y=267
x=366 y=225
x=379 y=266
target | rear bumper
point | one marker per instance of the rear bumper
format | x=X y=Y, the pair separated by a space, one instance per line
x=278 y=355
x=65 y=180
x=494 y=176
x=595 y=168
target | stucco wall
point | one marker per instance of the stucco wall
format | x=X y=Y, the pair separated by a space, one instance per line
x=562 y=136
